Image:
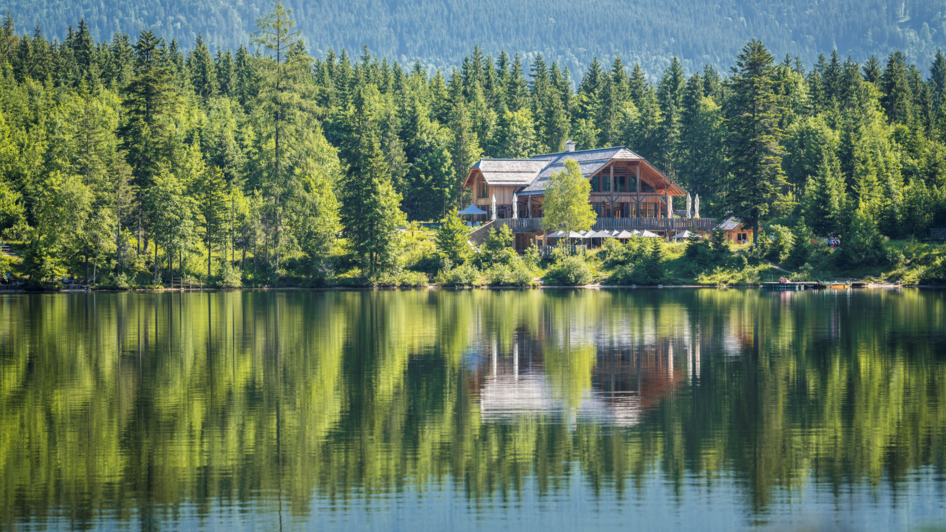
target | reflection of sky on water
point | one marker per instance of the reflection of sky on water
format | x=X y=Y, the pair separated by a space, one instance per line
x=709 y=410
x=658 y=505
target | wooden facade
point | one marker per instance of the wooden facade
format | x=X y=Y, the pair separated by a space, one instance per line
x=624 y=186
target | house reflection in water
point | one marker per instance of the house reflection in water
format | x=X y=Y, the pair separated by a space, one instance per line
x=626 y=381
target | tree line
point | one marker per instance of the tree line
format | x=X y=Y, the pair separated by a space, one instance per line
x=130 y=156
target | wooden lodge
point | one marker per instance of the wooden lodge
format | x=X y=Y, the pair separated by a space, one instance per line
x=627 y=192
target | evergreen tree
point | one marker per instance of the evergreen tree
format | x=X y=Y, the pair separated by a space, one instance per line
x=370 y=210
x=453 y=238
x=754 y=112
x=670 y=93
x=203 y=74
x=282 y=114
x=825 y=198
x=149 y=108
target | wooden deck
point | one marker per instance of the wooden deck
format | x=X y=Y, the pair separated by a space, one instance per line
x=534 y=225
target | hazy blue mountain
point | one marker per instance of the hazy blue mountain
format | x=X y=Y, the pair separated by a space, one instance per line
x=440 y=32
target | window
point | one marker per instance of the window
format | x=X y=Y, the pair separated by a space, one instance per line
x=484 y=190
x=620 y=183
x=594 y=184
x=606 y=184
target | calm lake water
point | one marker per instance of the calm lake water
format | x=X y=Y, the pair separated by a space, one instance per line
x=441 y=410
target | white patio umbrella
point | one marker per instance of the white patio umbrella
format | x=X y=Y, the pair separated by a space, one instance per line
x=648 y=234
x=689 y=206
x=696 y=208
x=515 y=206
x=493 y=207
x=685 y=235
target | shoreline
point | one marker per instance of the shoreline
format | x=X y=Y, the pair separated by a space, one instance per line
x=881 y=286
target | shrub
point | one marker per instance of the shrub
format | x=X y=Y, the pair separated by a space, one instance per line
x=409 y=278
x=569 y=271
x=649 y=270
x=516 y=274
x=497 y=249
x=531 y=257
x=230 y=277
x=618 y=254
x=780 y=245
x=462 y=275
x=116 y=282
x=453 y=238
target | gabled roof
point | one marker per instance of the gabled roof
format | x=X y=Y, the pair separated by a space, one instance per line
x=729 y=224
x=508 y=172
x=534 y=173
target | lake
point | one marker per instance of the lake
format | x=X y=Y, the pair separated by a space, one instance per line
x=469 y=410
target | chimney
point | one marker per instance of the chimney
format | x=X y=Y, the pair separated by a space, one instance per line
x=569 y=145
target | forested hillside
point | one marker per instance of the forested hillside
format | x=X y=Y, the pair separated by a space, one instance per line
x=441 y=32
x=129 y=155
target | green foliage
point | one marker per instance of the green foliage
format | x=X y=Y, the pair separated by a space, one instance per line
x=781 y=244
x=516 y=273
x=803 y=245
x=617 y=253
x=532 y=257
x=862 y=243
x=647 y=270
x=566 y=206
x=718 y=242
x=300 y=168
x=462 y=275
x=404 y=278
x=570 y=270
x=826 y=198
x=118 y=281
x=230 y=276
x=453 y=238
x=754 y=111
x=497 y=249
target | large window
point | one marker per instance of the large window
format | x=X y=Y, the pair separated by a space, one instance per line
x=620 y=183
x=595 y=181
x=484 y=190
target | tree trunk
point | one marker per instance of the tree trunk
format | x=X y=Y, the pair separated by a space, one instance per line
x=209 y=258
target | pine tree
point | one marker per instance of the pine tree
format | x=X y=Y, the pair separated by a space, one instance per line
x=370 y=210
x=282 y=113
x=203 y=74
x=754 y=112
x=898 y=98
x=862 y=244
x=825 y=197
x=670 y=94
x=149 y=107
x=453 y=238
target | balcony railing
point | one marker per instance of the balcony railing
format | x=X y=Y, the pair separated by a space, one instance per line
x=532 y=225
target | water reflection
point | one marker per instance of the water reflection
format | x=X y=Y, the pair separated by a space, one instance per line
x=352 y=409
x=616 y=384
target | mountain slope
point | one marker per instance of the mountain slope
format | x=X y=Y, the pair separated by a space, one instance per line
x=440 y=32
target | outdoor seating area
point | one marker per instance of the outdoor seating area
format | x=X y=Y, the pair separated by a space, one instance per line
x=595 y=239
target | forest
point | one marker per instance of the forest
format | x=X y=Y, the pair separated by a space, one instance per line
x=440 y=33
x=129 y=157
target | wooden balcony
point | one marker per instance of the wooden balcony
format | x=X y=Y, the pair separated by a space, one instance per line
x=534 y=225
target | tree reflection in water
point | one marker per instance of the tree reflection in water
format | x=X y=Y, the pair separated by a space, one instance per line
x=119 y=407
